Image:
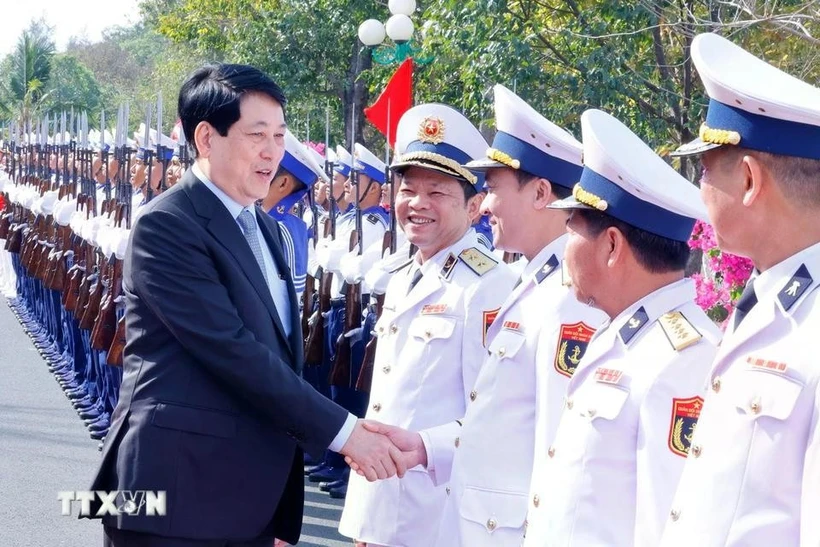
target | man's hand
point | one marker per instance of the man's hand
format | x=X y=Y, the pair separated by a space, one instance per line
x=375 y=456
x=412 y=448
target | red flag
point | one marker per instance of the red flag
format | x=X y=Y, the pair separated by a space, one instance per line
x=395 y=100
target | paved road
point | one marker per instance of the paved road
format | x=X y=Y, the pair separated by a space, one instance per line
x=45 y=449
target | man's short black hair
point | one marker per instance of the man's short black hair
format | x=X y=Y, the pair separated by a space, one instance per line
x=213 y=92
x=525 y=177
x=655 y=253
x=469 y=189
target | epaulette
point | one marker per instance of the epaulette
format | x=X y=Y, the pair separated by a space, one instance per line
x=373 y=218
x=476 y=260
x=680 y=332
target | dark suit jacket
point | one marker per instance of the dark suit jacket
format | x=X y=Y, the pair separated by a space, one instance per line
x=212 y=407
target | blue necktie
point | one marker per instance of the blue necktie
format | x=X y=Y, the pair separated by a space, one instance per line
x=248 y=224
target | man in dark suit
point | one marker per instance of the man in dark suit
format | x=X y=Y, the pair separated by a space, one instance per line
x=212 y=407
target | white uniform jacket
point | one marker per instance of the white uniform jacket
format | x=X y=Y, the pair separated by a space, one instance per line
x=628 y=417
x=329 y=253
x=430 y=349
x=487 y=502
x=753 y=474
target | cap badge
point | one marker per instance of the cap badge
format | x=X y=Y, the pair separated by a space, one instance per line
x=431 y=130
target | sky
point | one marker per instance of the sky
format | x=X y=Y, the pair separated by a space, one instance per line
x=86 y=18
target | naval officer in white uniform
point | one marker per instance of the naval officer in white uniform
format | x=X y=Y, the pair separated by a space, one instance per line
x=753 y=474
x=633 y=402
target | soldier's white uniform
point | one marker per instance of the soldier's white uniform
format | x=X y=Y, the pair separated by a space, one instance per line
x=493 y=451
x=430 y=349
x=430 y=345
x=493 y=456
x=608 y=477
x=753 y=473
x=329 y=253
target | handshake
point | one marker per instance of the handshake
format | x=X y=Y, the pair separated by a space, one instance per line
x=377 y=451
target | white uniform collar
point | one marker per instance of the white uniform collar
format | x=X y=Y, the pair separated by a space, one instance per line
x=555 y=248
x=652 y=306
x=779 y=278
x=469 y=239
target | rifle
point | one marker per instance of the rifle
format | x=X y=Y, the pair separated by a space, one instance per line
x=314 y=343
x=365 y=379
x=114 y=357
x=340 y=373
x=102 y=335
x=117 y=345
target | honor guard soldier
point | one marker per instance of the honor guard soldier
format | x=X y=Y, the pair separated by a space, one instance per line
x=328 y=201
x=632 y=403
x=753 y=473
x=297 y=173
x=369 y=221
x=431 y=336
x=318 y=197
x=537 y=337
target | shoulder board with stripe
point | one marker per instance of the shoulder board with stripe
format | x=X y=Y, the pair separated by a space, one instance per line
x=478 y=261
x=680 y=332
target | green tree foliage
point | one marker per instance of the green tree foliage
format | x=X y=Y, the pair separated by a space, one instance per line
x=134 y=65
x=310 y=47
x=72 y=86
x=28 y=72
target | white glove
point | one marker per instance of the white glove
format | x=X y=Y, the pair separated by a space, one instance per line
x=329 y=256
x=350 y=267
x=377 y=279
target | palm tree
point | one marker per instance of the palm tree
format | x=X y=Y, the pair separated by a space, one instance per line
x=29 y=73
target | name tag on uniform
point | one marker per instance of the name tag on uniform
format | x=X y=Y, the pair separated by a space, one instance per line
x=608 y=375
x=434 y=309
x=764 y=364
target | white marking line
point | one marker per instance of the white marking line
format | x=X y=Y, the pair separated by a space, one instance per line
x=313 y=540
x=316 y=521
x=320 y=505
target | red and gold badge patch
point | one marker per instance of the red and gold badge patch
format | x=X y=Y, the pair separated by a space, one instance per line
x=685 y=414
x=489 y=317
x=572 y=344
x=431 y=130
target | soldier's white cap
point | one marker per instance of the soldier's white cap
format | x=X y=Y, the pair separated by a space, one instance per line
x=625 y=179
x=366 y=162
x=318 y=162
x=343 y=163
x=436 y=136
x=528 y=141
x=298 y=161
x=753 y=104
